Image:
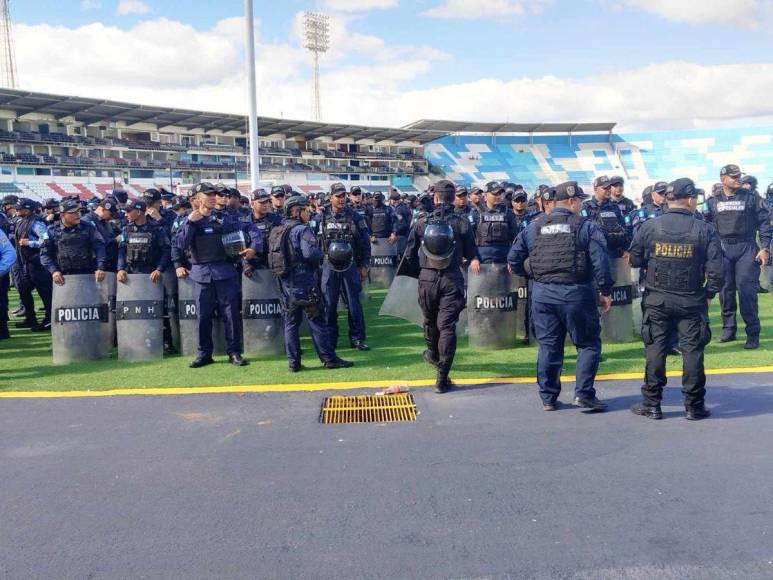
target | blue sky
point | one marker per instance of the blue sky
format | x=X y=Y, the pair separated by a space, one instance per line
x=574 y=41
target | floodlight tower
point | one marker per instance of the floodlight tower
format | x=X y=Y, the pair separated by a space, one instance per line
x=317 y=31
x=7 y=57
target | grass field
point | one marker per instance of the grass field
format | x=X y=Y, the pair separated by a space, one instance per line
x=25 y=360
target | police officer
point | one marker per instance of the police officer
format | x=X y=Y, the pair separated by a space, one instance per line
x=382 y=220
x=345 y=241
x=601 y=210
x=296 y=262
x=164 y=216
x=462 y=204
x=234 y=206
x=51 y=208
x=655 y=207
x=73 y=247
x=617 y=195
x=769 y=196
x=278 y=199
x=403 y=216
x=264 y=221
x=749 y=183
x=566 y=253
x=167 y=198
x=518 y=206
x=683 y=258
x=31 y=234
x=739 y=215
x=475 y=197
x=7 y=259
x=495 y=230
x=104 y=218
x=145 y=249
x=206 y=238
x=437 y=244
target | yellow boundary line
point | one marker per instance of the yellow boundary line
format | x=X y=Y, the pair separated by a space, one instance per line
x=310 y=387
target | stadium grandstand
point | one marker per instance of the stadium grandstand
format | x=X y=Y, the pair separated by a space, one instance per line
x=53 y=146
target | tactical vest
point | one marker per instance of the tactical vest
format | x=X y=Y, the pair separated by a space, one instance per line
x=139 y=249
x=74 y=251
x=379 y=220
x=556 y=257
x=733 y=217
x=676 y=260
x=610 y=224
x=208 y=244
x=339 y=228
x=23 y=229
x=492 y=230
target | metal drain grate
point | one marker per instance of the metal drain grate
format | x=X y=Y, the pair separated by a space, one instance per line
x=368 y=409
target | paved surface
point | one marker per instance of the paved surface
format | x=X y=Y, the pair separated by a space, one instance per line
x=484 y=484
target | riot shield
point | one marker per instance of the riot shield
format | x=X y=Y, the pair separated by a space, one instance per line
x=402 y=300
x=107 y=289
x=617 y=324
x=139 y=311
x=262 y=315
x=383 y=263
x=520 y=286
x=189 y=321
x=491 y=307
x=765 y=282
x=79 y=320
x=170 y=305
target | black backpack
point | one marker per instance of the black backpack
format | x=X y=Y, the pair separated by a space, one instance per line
x=280 y=254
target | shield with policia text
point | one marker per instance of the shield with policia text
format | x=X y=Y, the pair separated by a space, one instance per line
x=402 y=300
x=107 y=289
x=491 y=307
x=383 y=263
x=79 y=320
x=189 y=322
x=617 y=324
x=262 y=323
x=139 y=311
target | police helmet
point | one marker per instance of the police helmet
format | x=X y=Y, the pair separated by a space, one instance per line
x=121 y=195
x=751 y=180
x=438 y=244
x=340 y=255
x=294 y=201
x=51 y=203
x=770 y=189
x=10 y=200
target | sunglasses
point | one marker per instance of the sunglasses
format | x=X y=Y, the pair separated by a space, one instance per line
x=339 y=195
x=278 y=194
x=356 y=194
x=263 y=200
x=520 y=200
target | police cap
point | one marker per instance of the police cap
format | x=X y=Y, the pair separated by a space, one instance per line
x=167 y=195
x=602 y=181
x=180 y=202
x=356 y=190
x=51 y=203
x=221 y=189
x=70 y=205
x=461 y=191
x=121 y=195
x=378 y=195
x=294 y=201
x=564 y=191
x=152 y=195
x=10 y=200
x=204 y=187
x=395 y=194
x=109 y=203
x=233 y=192
x=27 y=203
x=337 y=188
x=519 y=195
x=660 y=187
x=137 y=205
x=475 y=189
x=260 y=194
x=496 y=188
x=731 y=170
x=616 y=180
x=681 y=188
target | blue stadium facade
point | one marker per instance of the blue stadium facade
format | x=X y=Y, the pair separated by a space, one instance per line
x=642 y=158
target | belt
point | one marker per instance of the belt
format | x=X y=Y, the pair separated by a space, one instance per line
x=733 y=241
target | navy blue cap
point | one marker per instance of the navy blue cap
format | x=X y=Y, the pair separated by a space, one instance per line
x=203 y=187
x=732 y=170
x=51 y=203
x=681 y=188
x=137 y=205
x=337 y=188
x=27 y=203
x=233 y=192
x=355 y=190
x=395 y=194
x=602 y=181
x=616 y=180
x=260 y=194
x=110 y=204
x=519 y=194
x=152 y=195
x=660 y=187
x=70 y=205
x=564 y=191
x=10 y=200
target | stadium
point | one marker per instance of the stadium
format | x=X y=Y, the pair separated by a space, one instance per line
x=116 y=466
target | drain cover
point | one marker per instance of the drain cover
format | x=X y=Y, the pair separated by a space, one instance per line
x=368 y=409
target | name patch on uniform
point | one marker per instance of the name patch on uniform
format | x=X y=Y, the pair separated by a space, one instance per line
x=91 y=313
x=383 y=261
x=261 y=309
x=671 y=250
x=139 y=309
x=553 y=229
x=335 y=226
x=493 y=217
x=733 y=205
x=621 y=295
x=504 y=303
x=209 y=230
x=608 y=215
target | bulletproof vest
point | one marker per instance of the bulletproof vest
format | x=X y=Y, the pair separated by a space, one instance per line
x=675 y=260
x=23 y=229
x=264 y=227
x=73 y=250
x=338 y=227
x=379 y=220
x=610 y=224
x=556 y=257
x=139 y=248
x=733 y=217
x=208 y=244
x=492 y=230
x=280 y=250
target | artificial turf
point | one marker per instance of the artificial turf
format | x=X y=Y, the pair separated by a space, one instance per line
x=25 y=360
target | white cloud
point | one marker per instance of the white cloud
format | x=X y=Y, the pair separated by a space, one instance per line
x=747 y=13
x=359 y=5
x=475 y=9
x=132 y=7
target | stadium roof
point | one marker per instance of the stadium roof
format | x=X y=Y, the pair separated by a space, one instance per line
x=90 y=111
x=474 y=127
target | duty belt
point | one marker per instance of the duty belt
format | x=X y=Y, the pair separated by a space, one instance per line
x=733 y=241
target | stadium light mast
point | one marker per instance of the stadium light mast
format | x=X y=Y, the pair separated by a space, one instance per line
x=317 y=30
x=252 y=98
x=7 y=57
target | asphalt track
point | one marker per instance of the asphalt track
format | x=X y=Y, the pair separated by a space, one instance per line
x=484 y=484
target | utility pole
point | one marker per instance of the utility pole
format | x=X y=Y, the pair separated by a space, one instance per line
x=8 y=74
x=317 y=30
x=252 y=97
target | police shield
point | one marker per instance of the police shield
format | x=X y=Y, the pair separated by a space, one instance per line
x=402 y=300
x=189 y=322
x=79 y=320
x=520 y=286
x=139 y=312
x=107 y=289
x=170 y=305
x=617 y=324
x=262 y=315
x=491 y=307
x=383 y=263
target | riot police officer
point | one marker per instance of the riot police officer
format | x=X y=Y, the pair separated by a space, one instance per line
x=346 y=244
x=437 y=244
x=213 y=244
x=295 y=256
x=462 y=205
x=51 y=207
x=264 y=221
x=617 y=195
x=31 y=234
x=104 y=218
x=403 y=217
x=739 y=215
x=362 y=205
x=606 y=214
x=156 y=211
x=683 y=258
x=73 y=247
x=382 y=219
x=278 y=194
x=495 y=230
x=518 y=207
x=655 y=207
x=145 y=249
x=564 y=254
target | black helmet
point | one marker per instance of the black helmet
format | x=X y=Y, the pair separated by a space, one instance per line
x=294 y=201
x=438 y=245
x=770 y=189
x=751 y=180
x=340 y=255
x=11 y=199
x=51 y=203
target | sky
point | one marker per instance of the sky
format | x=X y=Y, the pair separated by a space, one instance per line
x=645 y=64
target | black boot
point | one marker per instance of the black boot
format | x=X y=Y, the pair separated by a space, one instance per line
x=727 y=336
x=696 y=413
x=442 y=383
x=649 y=411
x=430 y=358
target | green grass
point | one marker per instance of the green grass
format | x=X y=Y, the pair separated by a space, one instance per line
x=25 y=360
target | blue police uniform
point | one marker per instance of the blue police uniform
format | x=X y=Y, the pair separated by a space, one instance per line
x=403 y=219
x=264 y=226
x=347 y=226
x=143 y=249
x=216 y=278
x=382 y=221
x=567 y=254
x=607 y=216
x=73 y=250
x=30 y=273
x=110 y=230
x=7 y=259
x=495 y=231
